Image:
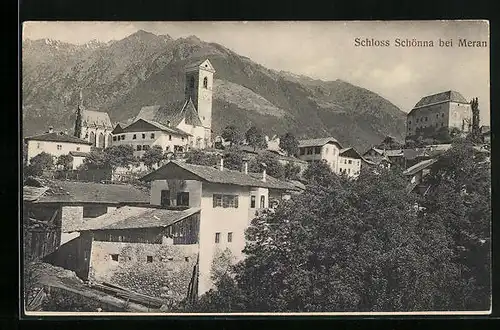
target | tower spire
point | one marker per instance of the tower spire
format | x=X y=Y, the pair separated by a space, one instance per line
x=78 y=121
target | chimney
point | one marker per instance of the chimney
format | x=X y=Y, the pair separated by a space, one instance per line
x=221 y=167
x=264 y=166
x=51 y=129
x=245 y=166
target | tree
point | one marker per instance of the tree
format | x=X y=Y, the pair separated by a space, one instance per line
x=232 y=134
x=201 y=157
x=65 y=161
x=233 y=159
x=120 y=156
x=362 y=245
x=255 y=138
x=289 y=144
x=273 y=167
x=153 y=156
x=291 y=171
x=40 y=163
x=95 y=159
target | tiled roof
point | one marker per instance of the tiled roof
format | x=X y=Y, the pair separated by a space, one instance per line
x=78 y=153
x=118 y=129
x=131 y=217
x=173 y=112
x=60 y=191
x=448 y=96
x=58 y=137
x=31 y=194
x=215 y=175
x=197 y=64
x=96 y=119
x=155 y=126
x=419 y=166
x=317 y=142
x=349 y=152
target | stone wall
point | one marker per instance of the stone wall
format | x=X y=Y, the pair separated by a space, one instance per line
x=152 y=269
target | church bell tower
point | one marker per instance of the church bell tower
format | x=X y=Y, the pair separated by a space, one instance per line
x=199 y=84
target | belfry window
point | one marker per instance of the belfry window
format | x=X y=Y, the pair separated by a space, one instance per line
x=205 y=82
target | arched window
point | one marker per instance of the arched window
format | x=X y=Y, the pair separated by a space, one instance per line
x=205 y=82
x=92 y=138
x=191 y=82
x=101 y=143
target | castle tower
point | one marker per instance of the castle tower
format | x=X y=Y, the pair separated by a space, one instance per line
x=199 y=84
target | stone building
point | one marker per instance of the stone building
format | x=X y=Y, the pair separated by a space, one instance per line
x=438 y=113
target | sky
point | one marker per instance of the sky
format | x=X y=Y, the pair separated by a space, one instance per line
x=327 y=50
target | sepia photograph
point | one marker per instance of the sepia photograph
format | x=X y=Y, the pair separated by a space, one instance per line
x=255 y=168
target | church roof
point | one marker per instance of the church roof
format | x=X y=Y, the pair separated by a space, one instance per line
x=96 y=119
x=448 y=96
x=201 y=64
x=57 y=137
x=171 y=114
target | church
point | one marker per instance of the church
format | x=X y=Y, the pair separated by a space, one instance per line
x=177 y=126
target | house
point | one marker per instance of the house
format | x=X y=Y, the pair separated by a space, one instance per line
x=349 y=162
x=418 y=172
x=148 y=250
x=375 y=156
x=93 y=126
x=56 y=144
x=190 y=118
x=326 y=149
x=436 y=112
x=66 y=204
x=228 y=201
x=143 y=134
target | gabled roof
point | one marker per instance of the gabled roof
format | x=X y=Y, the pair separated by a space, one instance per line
x=144 y=125
x=171 y=114
x=318 y=142
x=58 y=137
x=96 y=119
x=448 y=96
x=131 y=217
x=349 y=152
x=182 y=170
x=60 y=191
x=201 y=64
x=78 y=154
x=419 y=166
x=118 y=129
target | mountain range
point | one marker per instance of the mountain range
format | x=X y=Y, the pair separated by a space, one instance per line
x=122 y=76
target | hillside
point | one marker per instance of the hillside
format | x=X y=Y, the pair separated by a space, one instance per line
x=146 y=69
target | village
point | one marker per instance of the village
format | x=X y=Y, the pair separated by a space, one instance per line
x=134 y=216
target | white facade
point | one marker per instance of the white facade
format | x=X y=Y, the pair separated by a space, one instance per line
x=54 y=148
x=328 y=152
x=169 y=142
x=349 y=165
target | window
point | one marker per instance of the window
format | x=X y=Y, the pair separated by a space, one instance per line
x=186 y=259
x=442 y=124
x=350 y=161
x=143 y=135
x=123 y=136
x=145 y=147
x=149 y=259
x=182 y=139
x=340 y=169
x=119 y=137
x=114 y=138
x=425 y=118
x=134 y=136
x=252 y=202
x=152 y=135
x=205 y=82
x=349 y=170
x=226 y=201
x=217 y=238
x=409 y=122
x=38 y=145
x=183 y=199
x=302 y=151
x=59 y=147
x=165 y=198
x=317 y=150
x=229 y=237
x=262 y=201
x=437 y=115
x=139 y=147
x=170 y=137
x=114 y=257
x=309 y=151
x=77 y=148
